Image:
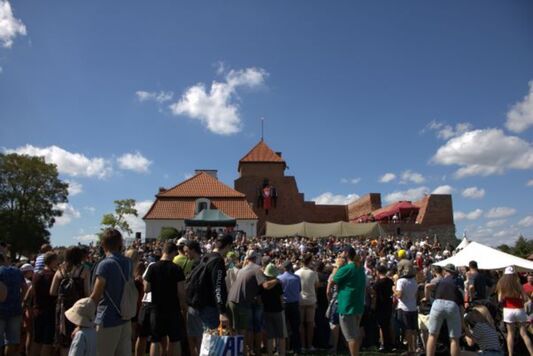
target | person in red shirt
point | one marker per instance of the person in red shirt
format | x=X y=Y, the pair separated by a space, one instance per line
x=528 y=286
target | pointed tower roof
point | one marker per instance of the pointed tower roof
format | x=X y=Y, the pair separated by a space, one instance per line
x=261 y=153
x=201 y=185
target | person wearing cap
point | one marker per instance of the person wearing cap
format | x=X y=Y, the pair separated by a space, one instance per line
x=82 y=315
x=292 y=286
x=351 y=283
x=447 y=307
x=243 y=295
x=231 y=273
x=274 y=318
x=27 y=271
x=513 y=298
x=406 y=290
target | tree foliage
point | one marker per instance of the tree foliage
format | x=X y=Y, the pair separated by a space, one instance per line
x=30 y=190
x=117 y=220
x=167 y=233
x=522 y=247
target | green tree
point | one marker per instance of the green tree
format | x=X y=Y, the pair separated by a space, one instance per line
x=522 y=247
x=167 y=233
x=30 y=191
x=118 y=219
x=505 y=248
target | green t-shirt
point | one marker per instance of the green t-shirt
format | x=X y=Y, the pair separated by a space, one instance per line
x=351 y=283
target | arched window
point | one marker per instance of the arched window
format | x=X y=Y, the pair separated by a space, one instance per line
x=202 y=204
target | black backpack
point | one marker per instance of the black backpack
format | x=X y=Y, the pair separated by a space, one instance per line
x=198 y=284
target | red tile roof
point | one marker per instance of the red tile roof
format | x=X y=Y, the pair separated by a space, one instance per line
x=184 y=208
x=262 y=153
x=202 y=185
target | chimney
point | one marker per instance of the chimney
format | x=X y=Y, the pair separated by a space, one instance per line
x=212 y=172
x=278 y=153
x=162 y=189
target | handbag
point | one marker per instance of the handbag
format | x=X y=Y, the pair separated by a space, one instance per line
x=215 y=343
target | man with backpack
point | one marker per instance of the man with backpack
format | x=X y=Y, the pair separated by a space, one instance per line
x=206 y=291
x=166 y=282
x=115 y=297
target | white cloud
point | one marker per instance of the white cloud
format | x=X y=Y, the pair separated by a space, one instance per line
x=69 y=213
x=493 y=237
x=387 y=177
x=335 y=199
x=500 y=212
x=410 y=176
x=74 y=188
x=520 y=117
x=473 y=193
x=485 y=152
x=160 y=97
x=10 y=26
x=87 y=238
x=216 y=108
x=496 y=223
x=473 y=215
x=443 y=189
x=90 y=209
x=72 y=164
x=527 y=221
x=410 y=194
x=350 y=180
x=445 y=131
x=136 y=222
x=530 y=183
x=134 y=162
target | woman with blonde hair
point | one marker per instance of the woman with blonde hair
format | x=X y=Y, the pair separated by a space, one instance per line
x=513 y=298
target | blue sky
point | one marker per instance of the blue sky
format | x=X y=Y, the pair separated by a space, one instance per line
x=128 y=96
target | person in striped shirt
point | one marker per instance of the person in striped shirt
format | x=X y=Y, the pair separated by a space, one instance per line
x=39 y=262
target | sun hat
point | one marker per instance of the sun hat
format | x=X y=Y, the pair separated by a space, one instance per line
x=509 y=270
x=82 y=313
x=450 y=268
x=271 y=271
x=26 y=268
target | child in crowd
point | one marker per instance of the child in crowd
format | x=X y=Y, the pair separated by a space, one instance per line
x=84 y=339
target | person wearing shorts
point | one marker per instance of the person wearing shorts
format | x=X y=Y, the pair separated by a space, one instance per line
x=11 y=307
x=273 y=316
x=513 y=298
x=407 y=314
x=446 y=307
x=351 y=283
x=309 y=282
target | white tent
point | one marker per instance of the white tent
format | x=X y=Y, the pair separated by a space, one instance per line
x=338 y=229
x=486 y=258
x=462 y=245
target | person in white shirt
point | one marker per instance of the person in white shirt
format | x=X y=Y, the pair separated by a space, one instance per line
x=406 y=292
x=309 y=281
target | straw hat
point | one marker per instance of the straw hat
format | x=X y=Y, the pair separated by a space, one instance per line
x=82 y=313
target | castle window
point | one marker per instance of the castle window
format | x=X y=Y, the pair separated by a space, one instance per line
x=202 y=204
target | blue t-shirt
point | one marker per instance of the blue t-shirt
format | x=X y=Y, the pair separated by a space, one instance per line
x=291 y=287
x=107 y=314
x=13 y=279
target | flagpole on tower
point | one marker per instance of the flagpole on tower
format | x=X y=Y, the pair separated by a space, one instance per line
x=262 y=128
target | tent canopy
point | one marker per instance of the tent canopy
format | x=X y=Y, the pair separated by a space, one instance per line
x=463 y=244
x=338 y=229
x=211 y=217
x=486 y=258
x=404 y=208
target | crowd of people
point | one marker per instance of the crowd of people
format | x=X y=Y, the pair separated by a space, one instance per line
x=292 y=295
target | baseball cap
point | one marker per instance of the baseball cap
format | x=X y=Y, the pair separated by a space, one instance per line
x=509 y=270
x=182 y=241
x=402 y=254
x=26 y=268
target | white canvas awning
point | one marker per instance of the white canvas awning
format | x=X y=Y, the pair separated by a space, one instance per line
x=486 y=258
x=338 y=229
x=463 y=244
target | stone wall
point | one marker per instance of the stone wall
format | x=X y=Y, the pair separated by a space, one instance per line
x=364 y=205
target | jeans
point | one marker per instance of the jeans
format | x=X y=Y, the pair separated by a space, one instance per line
x=292 y=316
x=445 y=310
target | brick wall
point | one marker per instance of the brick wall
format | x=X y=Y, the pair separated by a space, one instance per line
x=364 y=205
